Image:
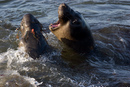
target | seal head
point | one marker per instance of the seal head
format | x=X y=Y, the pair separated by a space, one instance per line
x=32 y=40
x=72 y=29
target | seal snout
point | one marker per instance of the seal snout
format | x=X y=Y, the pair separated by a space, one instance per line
x=29 y=18
x=64 y=10
x=63 y=5
x=29 y=22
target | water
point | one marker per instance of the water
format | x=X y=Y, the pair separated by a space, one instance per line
x=107 y=66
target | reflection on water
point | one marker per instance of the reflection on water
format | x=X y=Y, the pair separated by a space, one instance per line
x=107 y=66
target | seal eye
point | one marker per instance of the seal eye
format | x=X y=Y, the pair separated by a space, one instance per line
x=75 y=21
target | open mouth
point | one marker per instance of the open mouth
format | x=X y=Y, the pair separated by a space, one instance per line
x=62 y=15
x=55 y=25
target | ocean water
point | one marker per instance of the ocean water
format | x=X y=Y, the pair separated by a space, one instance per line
x=107 y=66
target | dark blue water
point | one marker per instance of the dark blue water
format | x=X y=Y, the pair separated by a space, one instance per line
x=107 y=66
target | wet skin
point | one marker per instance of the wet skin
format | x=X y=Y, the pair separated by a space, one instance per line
x=72 y=29
x=32 y=40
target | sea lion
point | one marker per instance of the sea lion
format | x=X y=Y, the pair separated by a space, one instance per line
x=32 y=40
x=72 y=30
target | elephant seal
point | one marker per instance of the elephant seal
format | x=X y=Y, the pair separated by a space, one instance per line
x=72 y=30
x=32 y=40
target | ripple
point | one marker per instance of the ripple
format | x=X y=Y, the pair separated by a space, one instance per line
x=109 y=64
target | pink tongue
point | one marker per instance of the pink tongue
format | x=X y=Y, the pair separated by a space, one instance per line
x=55 y=25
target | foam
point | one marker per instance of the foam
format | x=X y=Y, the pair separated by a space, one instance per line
x=11 y=78
x=10 y=61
